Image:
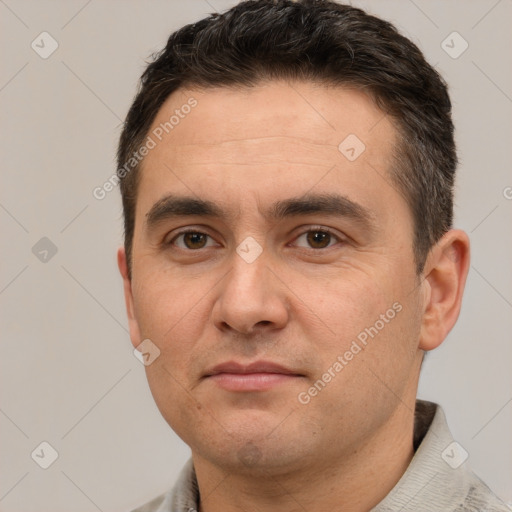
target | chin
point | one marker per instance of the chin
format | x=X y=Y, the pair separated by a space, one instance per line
x=264 y=447
x=253 y=458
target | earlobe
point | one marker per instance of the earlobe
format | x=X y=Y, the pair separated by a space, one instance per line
x=446 y=270
x=128 y=297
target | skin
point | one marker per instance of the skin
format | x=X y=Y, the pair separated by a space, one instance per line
x=298 y=304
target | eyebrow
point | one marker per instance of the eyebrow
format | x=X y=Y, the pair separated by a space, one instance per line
x=173 y=206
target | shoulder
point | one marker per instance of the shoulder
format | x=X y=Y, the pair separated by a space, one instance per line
x=439 y=476
x=479 y=498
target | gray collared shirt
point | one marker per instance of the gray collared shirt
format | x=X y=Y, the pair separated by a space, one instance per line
x=437 y=479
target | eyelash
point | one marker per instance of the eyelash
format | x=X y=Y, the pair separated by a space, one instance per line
x=309 y=230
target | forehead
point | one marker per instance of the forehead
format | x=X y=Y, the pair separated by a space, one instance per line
x=272 y=139
x=317 y=113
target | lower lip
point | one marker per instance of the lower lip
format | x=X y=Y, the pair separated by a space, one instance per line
x=251 y=381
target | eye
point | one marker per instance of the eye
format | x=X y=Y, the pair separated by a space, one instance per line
x=191 y=240
x=317 y=239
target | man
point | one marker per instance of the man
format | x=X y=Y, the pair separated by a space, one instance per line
x=287 y=172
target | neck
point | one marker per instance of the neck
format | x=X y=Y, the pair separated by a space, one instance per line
x=355 y=481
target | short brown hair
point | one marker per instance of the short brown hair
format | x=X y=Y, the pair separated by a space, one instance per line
x=321 y=41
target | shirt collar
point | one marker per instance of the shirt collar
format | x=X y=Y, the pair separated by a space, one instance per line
x=436 y=478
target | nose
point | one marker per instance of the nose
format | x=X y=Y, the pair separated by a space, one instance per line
x=251 y=298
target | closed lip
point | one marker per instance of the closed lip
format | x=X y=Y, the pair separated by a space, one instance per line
x=255 y=367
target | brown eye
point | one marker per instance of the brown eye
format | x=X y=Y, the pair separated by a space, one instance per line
x=194 y=240
x=191 y=240
x=317 y=239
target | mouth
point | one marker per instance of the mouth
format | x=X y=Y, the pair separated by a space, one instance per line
x=257 y=376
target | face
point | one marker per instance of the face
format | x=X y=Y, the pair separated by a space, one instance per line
x=273 y=268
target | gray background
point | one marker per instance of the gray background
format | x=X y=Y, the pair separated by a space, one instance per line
x=68 y=374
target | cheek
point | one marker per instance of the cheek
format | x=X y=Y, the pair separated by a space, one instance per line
x=365 y=368
x=176 y=404
x=363 y=327
x=173 y=315
x=163 y=302
x=344 y=306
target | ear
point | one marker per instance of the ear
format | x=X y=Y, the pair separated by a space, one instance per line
x=445 y=275
x=128 y=297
